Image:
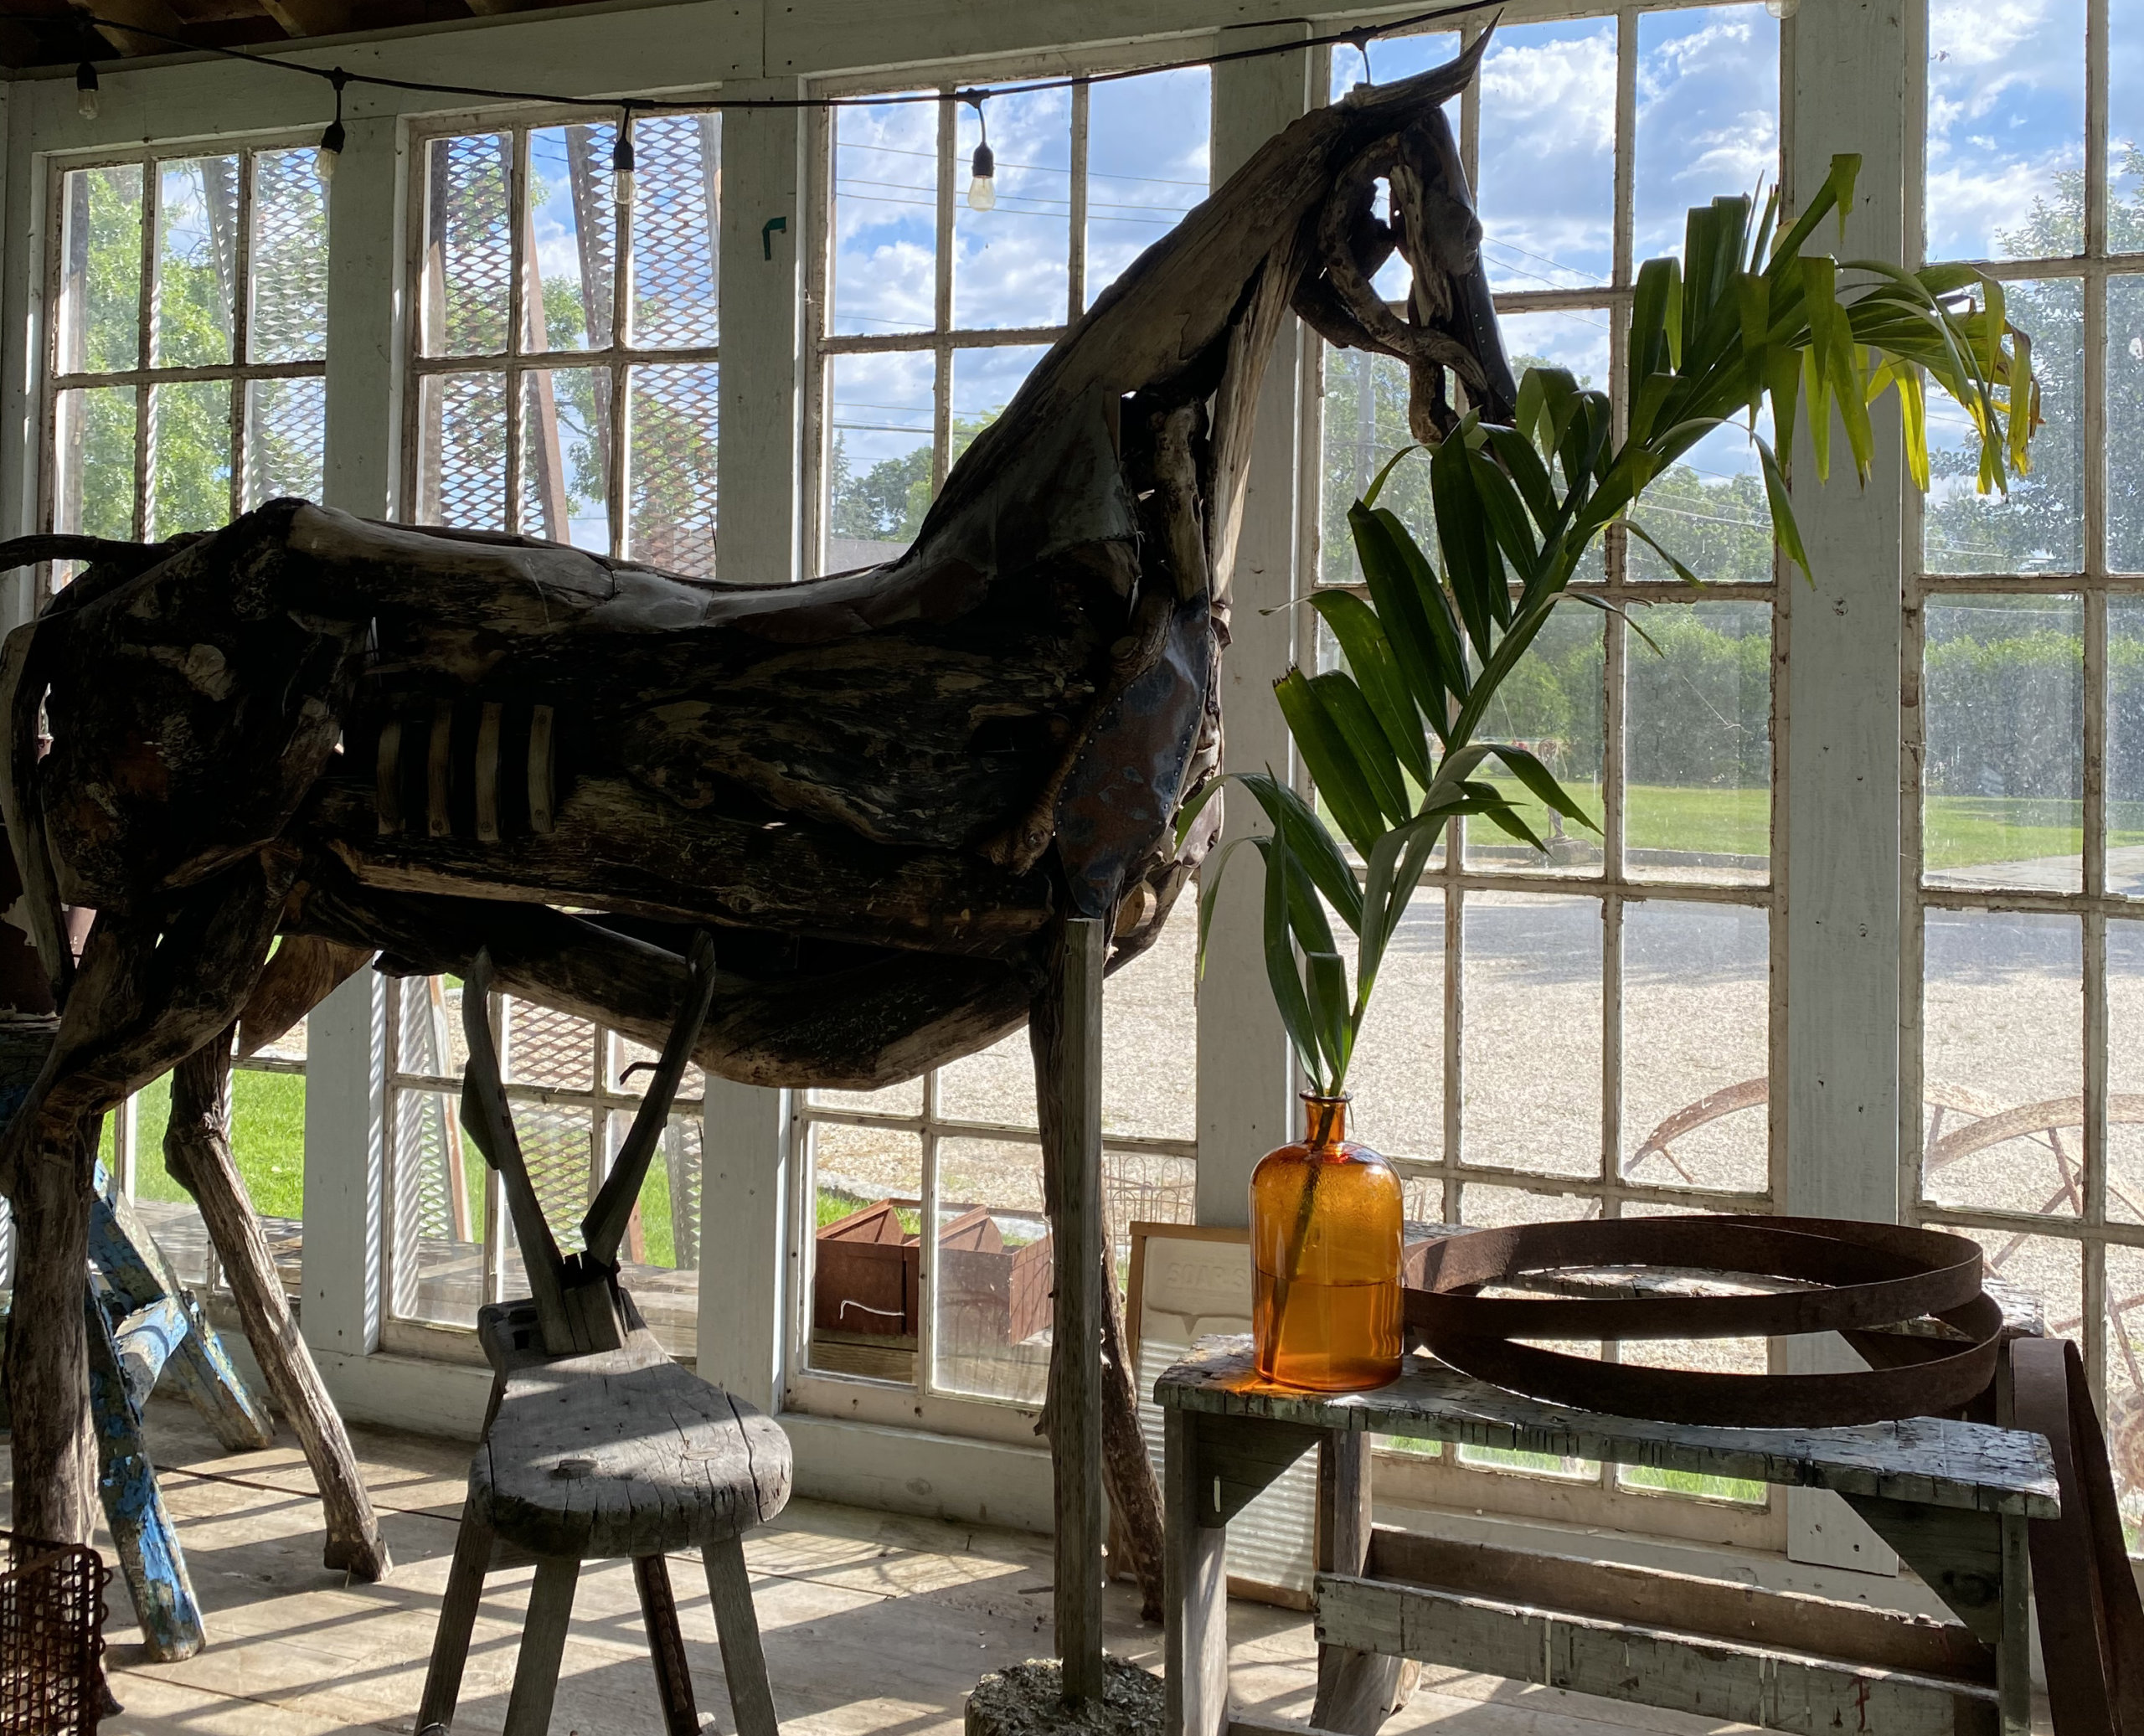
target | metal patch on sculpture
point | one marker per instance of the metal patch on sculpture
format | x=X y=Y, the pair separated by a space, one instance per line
x=1116 y=805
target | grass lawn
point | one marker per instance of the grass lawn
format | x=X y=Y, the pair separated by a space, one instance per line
x=1958 y=830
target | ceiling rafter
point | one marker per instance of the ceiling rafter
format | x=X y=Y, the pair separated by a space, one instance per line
x=151 y=15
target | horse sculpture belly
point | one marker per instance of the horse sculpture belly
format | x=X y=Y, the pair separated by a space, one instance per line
x=882 y=791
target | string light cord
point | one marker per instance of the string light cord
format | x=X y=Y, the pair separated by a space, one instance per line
x=1357 y=37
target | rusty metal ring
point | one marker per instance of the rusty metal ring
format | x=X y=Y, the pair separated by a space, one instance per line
x=1857 y=1276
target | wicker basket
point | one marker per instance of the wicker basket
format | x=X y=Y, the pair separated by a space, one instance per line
x=51 y=1637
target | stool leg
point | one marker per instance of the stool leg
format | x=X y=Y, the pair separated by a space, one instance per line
x=458 y=1616
x=542 y=1643
x=737 y=1625
x=673 y=1680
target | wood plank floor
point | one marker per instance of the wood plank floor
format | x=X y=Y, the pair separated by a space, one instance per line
x=875 y=1624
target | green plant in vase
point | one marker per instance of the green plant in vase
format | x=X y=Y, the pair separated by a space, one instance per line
x=1394 y=741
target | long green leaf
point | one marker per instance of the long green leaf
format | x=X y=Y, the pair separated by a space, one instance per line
x=1326 y=979
x=1369 y=653
x=1463 y=531
x=1288 y=996
x=1368 y=750
x=1332 y=765
x=1784 y=526
x=1313 y=847
x=1540 y=783
x=1402 y=609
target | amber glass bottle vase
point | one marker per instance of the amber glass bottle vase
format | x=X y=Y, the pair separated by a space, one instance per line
x=1325 y=1238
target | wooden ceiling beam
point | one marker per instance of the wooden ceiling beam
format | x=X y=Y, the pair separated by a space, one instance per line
x=313 y=18
x=148 y=15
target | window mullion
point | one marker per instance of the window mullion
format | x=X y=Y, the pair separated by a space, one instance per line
x=1076 y=284
x=518 y=265
x=241 y=323
x=941 y=413
x=145 y=396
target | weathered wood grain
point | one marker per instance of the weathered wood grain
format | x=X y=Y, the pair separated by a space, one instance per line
x=198 y=1155
x=1357 y=1690
x=622 y=1453
x=1717 y=1609
x=1926 y=1460
x=1707 y=1677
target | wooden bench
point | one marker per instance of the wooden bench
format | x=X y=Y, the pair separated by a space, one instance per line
x=1952 y=1498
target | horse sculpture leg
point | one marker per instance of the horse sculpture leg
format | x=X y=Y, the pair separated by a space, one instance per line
x=54 y=1451
x=138 y=1007
x=197 y=1154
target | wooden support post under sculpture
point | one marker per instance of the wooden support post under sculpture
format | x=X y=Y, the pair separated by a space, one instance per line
x=1065 y=1034
x=888 y=791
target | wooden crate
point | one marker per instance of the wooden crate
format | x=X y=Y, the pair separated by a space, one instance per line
x=990 y=1293
x=866 y=1277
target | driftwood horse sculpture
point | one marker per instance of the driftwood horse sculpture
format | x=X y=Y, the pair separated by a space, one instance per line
x=882 y=791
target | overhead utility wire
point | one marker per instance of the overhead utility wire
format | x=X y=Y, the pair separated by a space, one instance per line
x=1355 y=38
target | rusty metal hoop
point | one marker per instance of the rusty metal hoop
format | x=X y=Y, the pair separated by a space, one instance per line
x=1852 y=1278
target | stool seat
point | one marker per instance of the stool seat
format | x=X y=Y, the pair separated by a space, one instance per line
x=618 y=1452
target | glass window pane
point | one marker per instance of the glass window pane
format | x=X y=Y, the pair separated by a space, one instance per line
x=1397 y=1072
x=541 y=1047
x=879 y=411
x=1548 y=174
x=1696 y=801
x=2039 y=526
x=984 y=381
x=1150 y=1033
x=189 y=456
x=2006 y=129
x=2125 y=129
x=1365 y=423
x=1531 y=1042
x=1552 y=703
x=2125 y=1073
x=197 y=260
x=438 y=1176
x=997 y=1085
x=469 y=257
x=659 y=1260
x=2125 y=701
x=1708 y=116
x=461 y=451
x=1010 y=262
x=93 y=462
x=2003 y=1061
x=286 y=319
x=677 y=223
x=2049 y=1268
x=868 y=1190
x=286 y=439
x=101 y=270
x=2003 y=774
x=572 y=237
x=565 y=456
x=673 y=466
x=885 y=218
x=992 y=1284
x=1708 y=510
x=1147 y=141
x=2124 y=1405
x=904 y=1099
x=2125 y=479
x=1697 y=1016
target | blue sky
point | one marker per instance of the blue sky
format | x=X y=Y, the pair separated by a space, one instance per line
x=1707 y=125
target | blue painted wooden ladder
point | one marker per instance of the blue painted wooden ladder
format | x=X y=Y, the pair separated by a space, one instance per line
x=143 y=1322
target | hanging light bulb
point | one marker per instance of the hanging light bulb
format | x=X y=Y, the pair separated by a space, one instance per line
x=330 y=152
x=1782 y=8
x=982 y=168
x=622 y=165
x=85 y=91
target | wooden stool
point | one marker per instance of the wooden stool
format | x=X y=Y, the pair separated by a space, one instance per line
x=617 y=1453
x=597 y=1445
